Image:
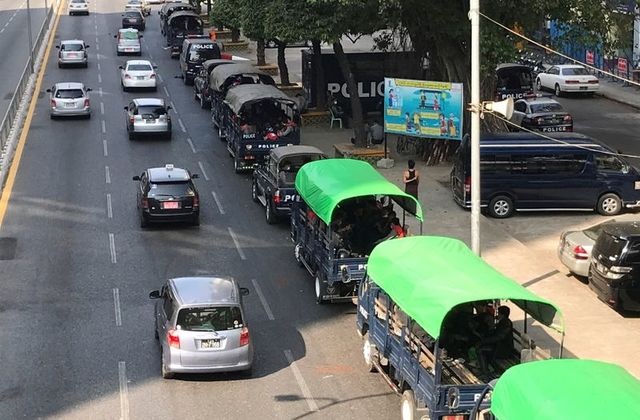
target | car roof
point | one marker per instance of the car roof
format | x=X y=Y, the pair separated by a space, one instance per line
x=205 y=290
x=168 y=174
x=623 y=230
x=72 y=41
x=565 y=66
x=539 y=100
x=148 y=101
x=139 y=62
x=281 y=152
x=128 y=30
x=69 y=85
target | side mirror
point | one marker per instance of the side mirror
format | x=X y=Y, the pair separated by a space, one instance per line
x=121 y=68
x=48 y=90
x=179 y=76
x=89 y=89
x=136 y=177
x=169 y=107
x=244 y=291
x=140 y=36
x=155 y=294
x=115 y=36
x=58 y=46
x=155 y=66
x=126 y=108
x=87 y=46
x=195 y=176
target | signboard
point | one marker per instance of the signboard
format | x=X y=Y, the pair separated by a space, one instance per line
x=421 y=108
x=622 y=65
x=590 y=58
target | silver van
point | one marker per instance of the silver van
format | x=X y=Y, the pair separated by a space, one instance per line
x=201 y=326
x=128 y=41
x=72 y=51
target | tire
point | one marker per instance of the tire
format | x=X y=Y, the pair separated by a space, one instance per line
x=59 y=65
x=163 y=369
x=221 y=134
x=320 y=289
x=195 y=221
x=557 y=91
x=408 y=405
x=271 y=217
x=203 y=103
x=118 y=53
x=86 y=65
x=539 y=85
x=609 y=205
x=297 y=254
x=88 y=116
x=144 y=223
x=254 y=191
x=369 y=353
x=501 y=207
x=155 y=334
x=168 y=135
x=195 y=95
x=132 y=135
x=236 y=166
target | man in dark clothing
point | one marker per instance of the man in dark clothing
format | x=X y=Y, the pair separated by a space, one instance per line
x=498 y=343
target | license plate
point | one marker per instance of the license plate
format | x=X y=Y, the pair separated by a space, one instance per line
x=128 y=49
x=210 y=344
x=70 y=105
x=140 y=77
x=583 y=87
x=170 y=205
x=73 y=55
x=149 y=121
x=132 y=20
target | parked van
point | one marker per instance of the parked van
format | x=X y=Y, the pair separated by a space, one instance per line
x=195 y=51
x=524 y=172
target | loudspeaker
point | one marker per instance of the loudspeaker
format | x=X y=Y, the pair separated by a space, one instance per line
x=504 y=108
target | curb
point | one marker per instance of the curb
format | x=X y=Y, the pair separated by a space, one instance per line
x=618 y=100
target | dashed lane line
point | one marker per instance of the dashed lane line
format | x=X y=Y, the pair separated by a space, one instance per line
x=104 y=126
x=301 y=382
x=237 y=244
x=193 y=148
x=116 y=307
x=100 y=91
x=109 y=207
x=99 y=78
x=264 y=302
x=107 y=175
x=124 y=390
x=182 y=127
x=104 y=148
x=102 y=108
x=218 y=203
x=204 y=173
x=166 y=91
x=112 y=248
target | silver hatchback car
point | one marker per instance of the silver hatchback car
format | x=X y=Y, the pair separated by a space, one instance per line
x=201 y=326
x=72 y=51
x=148 y=116
x=69 y=99
x=128 y=41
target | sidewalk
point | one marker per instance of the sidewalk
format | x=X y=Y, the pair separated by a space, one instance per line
x=616 y=91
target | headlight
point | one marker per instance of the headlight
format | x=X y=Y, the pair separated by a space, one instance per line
x=248 y=146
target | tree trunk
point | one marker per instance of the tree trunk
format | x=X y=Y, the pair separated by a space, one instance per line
x=235 y=35
x=260 y=52
x=209 y=8
x=320 y=84
x=356 y=106
x=282 y=64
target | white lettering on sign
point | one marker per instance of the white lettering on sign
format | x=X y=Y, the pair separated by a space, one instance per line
x=365 y=89
x=202 y=46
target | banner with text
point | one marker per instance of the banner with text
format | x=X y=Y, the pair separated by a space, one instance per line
x=421 y=108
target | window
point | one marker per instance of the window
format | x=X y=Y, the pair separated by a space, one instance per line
x=139 y=67
x=171 y=189
x=608 y=163
x=520 y=107
x=496 y=164
x=167 y=302
x=633 y=253
x=153 y=110
x=575 y=71
x=71 y=47
x=69 y=93
x=212 y=318
x=546 y=107
x=202 y=52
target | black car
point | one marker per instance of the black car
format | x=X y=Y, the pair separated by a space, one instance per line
x=542 y=114
x=133 y=19
x=167 y=194
x=614 y=273
x=201 y=81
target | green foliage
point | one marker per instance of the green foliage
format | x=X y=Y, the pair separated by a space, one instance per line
x=227 y=13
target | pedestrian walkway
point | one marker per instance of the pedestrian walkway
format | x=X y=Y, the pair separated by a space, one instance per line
x=619 y=92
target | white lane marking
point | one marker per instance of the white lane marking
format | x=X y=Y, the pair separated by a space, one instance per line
x=237 y=244
x=99 y=78
x=104 y=148
x=218 y=203
x=109 y=208
x=166 y=91
x=159 y=78
x=124 y=391
x=112 y=248
x=193 y=148
x=102 y=108
x=100 y=91
x=301 y=383
x=97 y=47
x=265 y=305
x=98 y=66
x=182 y=127
x=104 y=126
x=97 y=40
x=204 y=173
x=107 y=175
x=1 y=30
x=173 y=106
x=116 y=307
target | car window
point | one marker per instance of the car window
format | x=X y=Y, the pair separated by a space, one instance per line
x=129 y=35
x=154 y=110
x=546 y=107
x=132 y=14
x=181 y=188
x=610 y=247
x=575 y=71
x=72 y=47
x=77 y=1
x=633 y=253
x=139 y=67
x=608 y=163
x=69 y=93
x=216 y=318
x=520 y=107
x=167 y=304
x=203 y=52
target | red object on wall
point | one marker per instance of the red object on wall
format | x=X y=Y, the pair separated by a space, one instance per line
x=590 y=59
x=622 y=65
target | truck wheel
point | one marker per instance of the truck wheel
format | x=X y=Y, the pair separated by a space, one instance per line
x=370 y=354
x=254 y=190
x=557 y=91
x=268 y=212
x=221 y=135
x=501 y=207
x=203 y=103
x=297 y=253
x=539 y=85
x=236 y=165
x=408 y=405
x=320 y=290
x=609 y=204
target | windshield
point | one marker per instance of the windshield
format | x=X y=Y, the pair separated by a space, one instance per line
x=575 y=71
x=154 y=110
x=77 y=1
x=514 y=78
x=139 y=67
x=71 y=47
x=593 y=232
x=202 y=54
x=216 y=318
x=172 y=189
x=546 y=107
x=132 y=14
x=69 y=93
x=129 y=35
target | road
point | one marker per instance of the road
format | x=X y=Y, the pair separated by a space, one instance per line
x=14 y=42
x=76 y=262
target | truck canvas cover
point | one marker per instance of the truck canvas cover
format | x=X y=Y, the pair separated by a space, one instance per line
x=566 y=389
x=324 y=184
x=221 y=73
x=243 y=95
x=427 y=276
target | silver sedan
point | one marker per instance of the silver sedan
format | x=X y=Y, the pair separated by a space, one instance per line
x=69 y=99
x=138 y=74
x=574 y=249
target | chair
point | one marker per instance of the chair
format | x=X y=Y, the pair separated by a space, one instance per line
x=334 y=116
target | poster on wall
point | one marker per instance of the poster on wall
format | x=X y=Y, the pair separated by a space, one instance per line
x=421 y=108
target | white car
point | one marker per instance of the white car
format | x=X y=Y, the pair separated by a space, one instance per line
x=567 y=78
x=78 y=7
x=138 y=74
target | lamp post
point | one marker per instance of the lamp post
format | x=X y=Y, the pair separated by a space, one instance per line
x=474 y=17
x=30 y=37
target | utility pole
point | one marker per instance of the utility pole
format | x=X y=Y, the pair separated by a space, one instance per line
x=476 y=107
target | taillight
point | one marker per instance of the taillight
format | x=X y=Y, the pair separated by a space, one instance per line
x=467 y=185
x=173 y=339
x=145 y=203
x=153 y=76
x=455 y=417
x=196 y=201
x=539 y=120
x=53 y=103
x=567 y=118
x=579 y=253
x=244 y=337
x=132 y=119
x=572 y=82
x=276 y=197
x=86 y=103
x=594 y=82
x=127 y=76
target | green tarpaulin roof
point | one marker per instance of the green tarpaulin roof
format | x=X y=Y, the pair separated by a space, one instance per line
x=242 y=95
x=566 y=389
x=324 y=184
x=427 y=276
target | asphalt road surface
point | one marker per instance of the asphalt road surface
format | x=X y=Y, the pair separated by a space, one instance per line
x=14 y=42
x=76 y=324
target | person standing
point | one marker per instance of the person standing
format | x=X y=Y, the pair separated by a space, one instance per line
x=411 y=179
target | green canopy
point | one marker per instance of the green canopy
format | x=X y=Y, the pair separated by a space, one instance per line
x=565 y=389
x=324 y=184
x=427 y=276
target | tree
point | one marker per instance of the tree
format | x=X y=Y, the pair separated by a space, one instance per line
x=252 y=16
x=228 y=13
